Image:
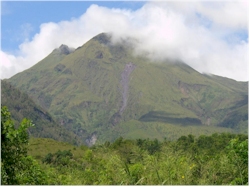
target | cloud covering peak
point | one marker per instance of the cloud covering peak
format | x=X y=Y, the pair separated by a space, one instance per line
x=211 y=37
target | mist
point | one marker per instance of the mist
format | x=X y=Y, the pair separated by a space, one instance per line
x=205 y=35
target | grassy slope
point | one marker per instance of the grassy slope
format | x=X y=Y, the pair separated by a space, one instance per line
x=134 y=129
x=82 y=91
x=40 y=147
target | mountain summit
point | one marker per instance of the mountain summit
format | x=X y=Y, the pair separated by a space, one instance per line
x=101 y=91
x=64 y=49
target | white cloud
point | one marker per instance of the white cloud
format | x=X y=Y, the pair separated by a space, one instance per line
x=231 y=14
x=192 y=32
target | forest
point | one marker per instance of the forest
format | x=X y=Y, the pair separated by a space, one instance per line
x=217 y=159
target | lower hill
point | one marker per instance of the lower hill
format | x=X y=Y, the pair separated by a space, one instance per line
x=22 y=106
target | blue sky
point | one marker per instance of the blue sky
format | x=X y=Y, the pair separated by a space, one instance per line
x=24 y=18
x=210 y=36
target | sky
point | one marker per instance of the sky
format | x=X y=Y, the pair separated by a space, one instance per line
x=210 y=36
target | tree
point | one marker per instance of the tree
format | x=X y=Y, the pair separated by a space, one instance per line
x=14 y=159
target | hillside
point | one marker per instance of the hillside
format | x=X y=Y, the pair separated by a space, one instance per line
x=21 y=106
x=101 y=91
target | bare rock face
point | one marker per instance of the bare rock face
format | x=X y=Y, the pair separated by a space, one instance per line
x=125 y=84
x=115 y=119
x=91 y=139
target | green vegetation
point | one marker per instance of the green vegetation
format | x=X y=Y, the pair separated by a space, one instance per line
x=82 y=90
x=217 y=159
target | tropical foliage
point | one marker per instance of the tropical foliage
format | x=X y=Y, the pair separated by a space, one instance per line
x=16 y=166
x=219 y=159
x=205 y=160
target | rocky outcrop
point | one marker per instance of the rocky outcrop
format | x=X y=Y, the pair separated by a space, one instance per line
x=64 y=49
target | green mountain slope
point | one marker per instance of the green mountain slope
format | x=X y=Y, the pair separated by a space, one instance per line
x=105 y=91
x=21 y=106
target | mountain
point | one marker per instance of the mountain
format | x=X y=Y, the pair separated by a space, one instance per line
x=101 y=91
x=21 y=106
